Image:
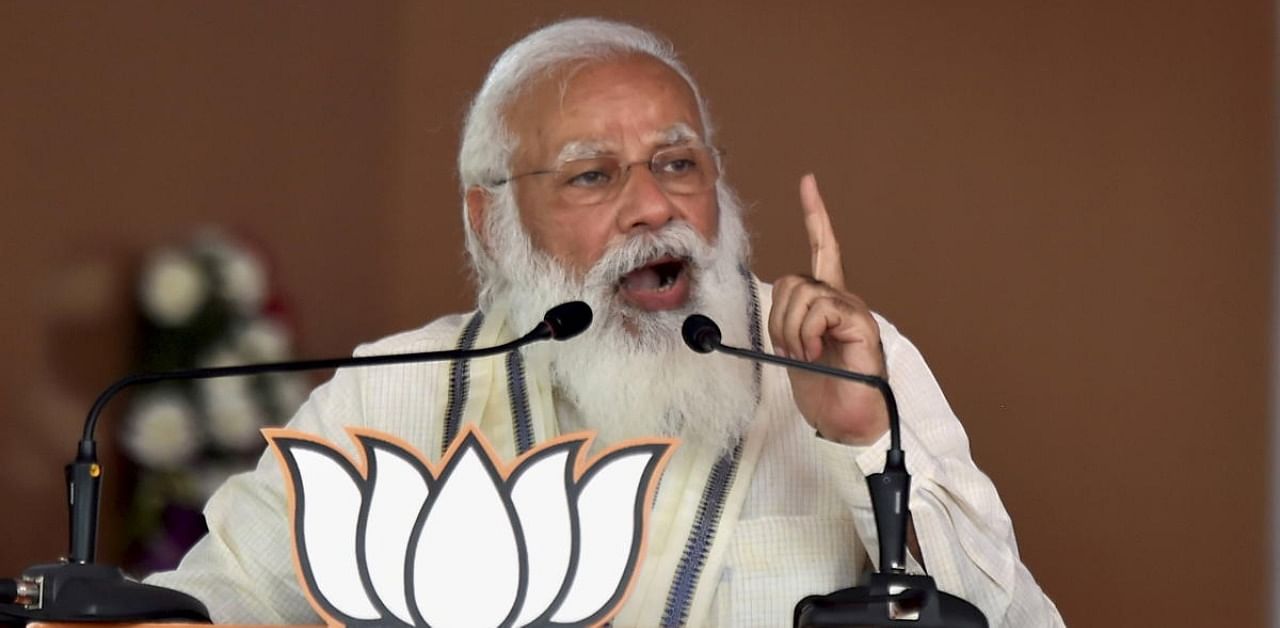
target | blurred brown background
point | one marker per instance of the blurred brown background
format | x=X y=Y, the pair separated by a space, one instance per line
x=1069 y=207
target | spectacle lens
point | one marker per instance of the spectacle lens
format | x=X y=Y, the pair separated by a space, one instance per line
x=679 y=170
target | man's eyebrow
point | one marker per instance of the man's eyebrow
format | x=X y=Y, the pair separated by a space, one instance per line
x=675 y=135
x=581 y=149
x=678 y=133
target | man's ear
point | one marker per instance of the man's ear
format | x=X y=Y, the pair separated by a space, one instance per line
x=477 y=210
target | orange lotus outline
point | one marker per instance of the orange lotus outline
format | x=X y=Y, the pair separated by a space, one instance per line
x=581 y=462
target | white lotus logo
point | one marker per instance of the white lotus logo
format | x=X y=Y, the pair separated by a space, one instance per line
x=396 y=541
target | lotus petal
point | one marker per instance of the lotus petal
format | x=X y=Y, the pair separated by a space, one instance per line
x=404 y=546
x=610 y=519
x=539 y=492
x=326 y=510
x=468 y=553
x=399 y=487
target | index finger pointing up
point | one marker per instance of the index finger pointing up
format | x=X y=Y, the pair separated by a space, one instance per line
x=824 y=250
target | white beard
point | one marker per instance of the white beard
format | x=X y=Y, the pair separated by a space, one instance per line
x=630 y=374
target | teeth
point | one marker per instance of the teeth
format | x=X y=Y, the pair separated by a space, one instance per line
x=653 y=278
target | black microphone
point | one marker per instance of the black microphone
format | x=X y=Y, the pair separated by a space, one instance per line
x=891 y=592
x=703 y=335
x=567 y=320
x=77 y=589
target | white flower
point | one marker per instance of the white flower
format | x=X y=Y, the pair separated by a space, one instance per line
x=468 y=546
x=221 y=356
x=172 y=288
x=161 y=431
x=234 y=422
x=244 y=280
x=234 y=415
x=263 y=340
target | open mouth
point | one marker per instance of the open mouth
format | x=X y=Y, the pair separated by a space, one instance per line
x=662 y=284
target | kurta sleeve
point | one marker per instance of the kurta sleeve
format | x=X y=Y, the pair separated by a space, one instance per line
x=966 y=537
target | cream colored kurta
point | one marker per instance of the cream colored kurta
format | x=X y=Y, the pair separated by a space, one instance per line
x=796 y=519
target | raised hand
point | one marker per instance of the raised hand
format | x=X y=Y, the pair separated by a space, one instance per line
x=816 y=319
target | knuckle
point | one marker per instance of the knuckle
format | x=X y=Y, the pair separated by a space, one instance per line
x=788 y=282
x=812 y=289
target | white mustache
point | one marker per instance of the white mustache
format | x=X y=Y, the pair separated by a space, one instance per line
x=679 y=240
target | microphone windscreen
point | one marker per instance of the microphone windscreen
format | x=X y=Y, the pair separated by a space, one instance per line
x=568 y=319
x=700 y=333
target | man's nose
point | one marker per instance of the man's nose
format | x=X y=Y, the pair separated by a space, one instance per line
x=643 y=202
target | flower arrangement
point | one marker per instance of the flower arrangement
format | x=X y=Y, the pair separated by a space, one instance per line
x=206 y=303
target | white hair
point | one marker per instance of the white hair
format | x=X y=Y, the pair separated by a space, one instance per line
x=488 y=145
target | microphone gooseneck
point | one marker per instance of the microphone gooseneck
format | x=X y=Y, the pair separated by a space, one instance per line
x=561 y=322
x=890 y=589
x=84 y=476
x=84 y=473
x=703 y=335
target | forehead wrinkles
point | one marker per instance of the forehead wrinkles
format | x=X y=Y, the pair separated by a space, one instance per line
x=550 y=90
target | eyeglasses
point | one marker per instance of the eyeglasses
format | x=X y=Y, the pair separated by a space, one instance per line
x=680 y=170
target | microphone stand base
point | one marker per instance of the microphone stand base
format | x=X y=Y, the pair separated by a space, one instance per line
x=72 y=592
x=888 y=600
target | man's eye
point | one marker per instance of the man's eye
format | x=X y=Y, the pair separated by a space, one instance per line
x=590 y=178
x=683 y=165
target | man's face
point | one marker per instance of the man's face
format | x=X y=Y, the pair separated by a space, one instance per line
x=626 y=109
x=641 y=256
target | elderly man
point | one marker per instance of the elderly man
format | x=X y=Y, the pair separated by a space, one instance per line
x=590 y=172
